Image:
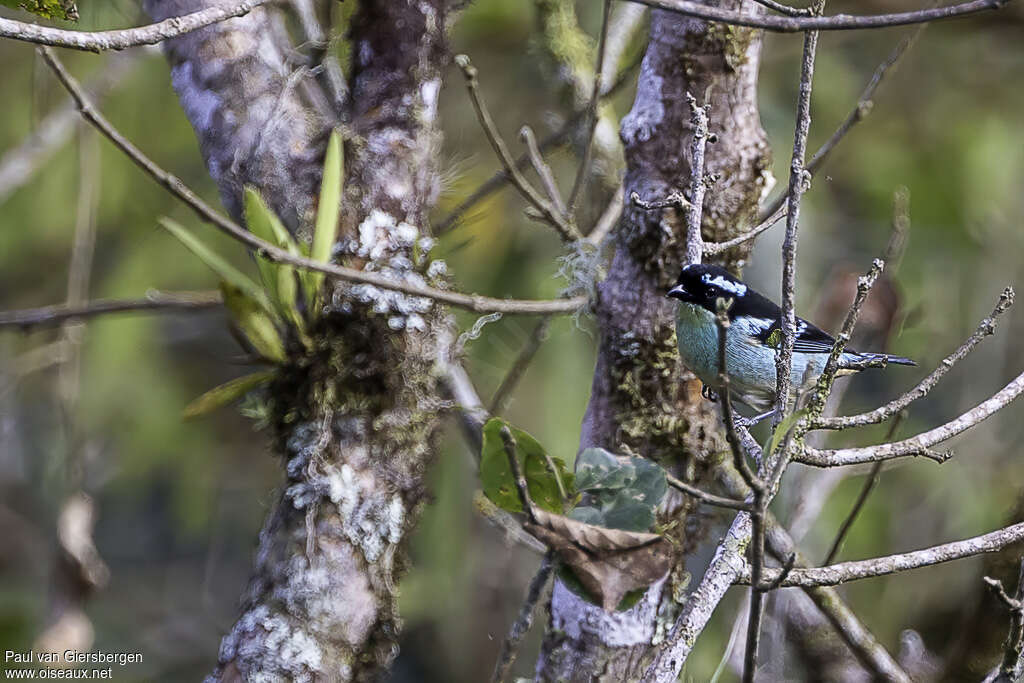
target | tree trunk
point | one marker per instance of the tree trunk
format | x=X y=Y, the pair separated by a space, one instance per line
x=354 y=420
x=642 y=399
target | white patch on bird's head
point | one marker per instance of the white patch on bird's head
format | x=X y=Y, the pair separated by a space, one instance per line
x=737 y=288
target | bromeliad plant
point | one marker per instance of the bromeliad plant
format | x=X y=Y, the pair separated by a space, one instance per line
x=285 y=302
x=598 y=521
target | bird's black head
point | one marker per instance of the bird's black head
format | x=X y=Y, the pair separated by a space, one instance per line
x=703 y=285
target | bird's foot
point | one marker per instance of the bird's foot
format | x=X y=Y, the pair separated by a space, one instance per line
x=748 y=422
x=710 y=394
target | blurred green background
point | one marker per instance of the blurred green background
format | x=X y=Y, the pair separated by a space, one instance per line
x=180 y=503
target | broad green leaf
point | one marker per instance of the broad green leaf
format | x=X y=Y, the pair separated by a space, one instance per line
x=596 y=468
x=650 y=482
x=328 y=211
x=234 y=277
x=628 y=513
x=48 y=9
x=496 y=475
x=226 y=393
x=279 y=278
x=255 y=323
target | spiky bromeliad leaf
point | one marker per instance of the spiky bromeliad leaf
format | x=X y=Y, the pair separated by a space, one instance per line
x=255 y=323
x=217 y=264
x=325 y=232
x=226 y=393
x=278 y=277
x=496 y=474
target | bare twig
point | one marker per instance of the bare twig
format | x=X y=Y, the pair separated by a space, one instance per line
x=588 y=147
x=797 y=186
x=98 y=41
x=705 y=497
x=517 y=473
x=785 y=9
x=824 y=384
x=547 y=178
x=510 y=647
x=698 y=144
x=712 y=248
x=564 y=227
x=845 y=572
x=501 y=177
x=473 y=302
x=862 y=497
x=1012 y=666
x=51 y=316
x=920 y=444
x=859 y=112
x=839 y=22
x=985 y=328
x=537 y=337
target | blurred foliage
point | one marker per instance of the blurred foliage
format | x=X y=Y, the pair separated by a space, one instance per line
x=180 y=504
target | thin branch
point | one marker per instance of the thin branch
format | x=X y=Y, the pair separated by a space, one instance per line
x=838 y=22
x=547 y=178
x=845 y=572
x=501 y=177
x=472 y=302
x=705 y=497
x=785 y=9
x=584 y=170
x=517 y=473
x=1012 y=666
x=797 y=186
x=154 y=301
x=698 y=144
x=566 y=229
x=537 y=337
x=986 y=328
x=712 y=248
x=823 y=386
x=862 y=497
x=521 y=626
x=920 y=444
x=98 y=41
x=861 y=109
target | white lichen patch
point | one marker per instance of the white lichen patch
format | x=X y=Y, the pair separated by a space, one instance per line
x=578 y=618
x=370 y=519
x=272 y=646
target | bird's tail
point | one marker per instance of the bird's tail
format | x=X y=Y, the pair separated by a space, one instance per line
x=883 y=357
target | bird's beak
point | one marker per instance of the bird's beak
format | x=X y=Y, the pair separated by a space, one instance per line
x=678 y=292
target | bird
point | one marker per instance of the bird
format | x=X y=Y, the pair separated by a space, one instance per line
x=752 y=340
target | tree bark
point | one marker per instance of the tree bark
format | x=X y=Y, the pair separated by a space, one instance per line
x=354 y=420
x=642 y=399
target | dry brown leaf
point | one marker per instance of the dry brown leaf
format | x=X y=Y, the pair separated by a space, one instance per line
x=608 y=562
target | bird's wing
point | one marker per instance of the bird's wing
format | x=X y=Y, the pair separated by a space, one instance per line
x=809 y=338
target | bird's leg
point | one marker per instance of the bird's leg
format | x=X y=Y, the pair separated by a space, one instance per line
x=710 y=394
x=748 y=422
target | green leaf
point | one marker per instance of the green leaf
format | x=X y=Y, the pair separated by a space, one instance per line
x=587 y=515
x=496 y=475
x=328 y=211
x=780 y=432
x=650 y=482
x=234 y=277
x=279 y=278
x=48 y=9
x=254 y=322
x=628 y=513
x=226 y=393
x=596 y=468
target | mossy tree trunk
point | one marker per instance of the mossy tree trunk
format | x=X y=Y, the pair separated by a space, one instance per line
x=355 y=419
x=639 y=403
